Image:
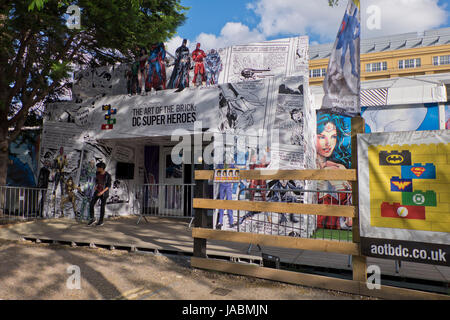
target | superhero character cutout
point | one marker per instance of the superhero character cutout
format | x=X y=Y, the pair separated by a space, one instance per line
x=213 y=67
x=156 y=75
x=198 y=55
x=180 y=74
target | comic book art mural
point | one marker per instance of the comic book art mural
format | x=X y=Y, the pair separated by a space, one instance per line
x=416 y=117
x=333 y=145
x=23 y=165
x=273 y=138
x=256 y=61
x=284 y=57
x=73 y=154
x=342 y=81
x=404 y=206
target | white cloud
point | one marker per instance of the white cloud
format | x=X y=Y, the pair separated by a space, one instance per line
x=400 y=16
x=317 y=18
x=231 y=34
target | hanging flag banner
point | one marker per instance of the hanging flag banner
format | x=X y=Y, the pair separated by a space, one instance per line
x=342 y=82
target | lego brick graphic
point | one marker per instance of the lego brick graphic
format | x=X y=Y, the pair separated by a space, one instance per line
x=400 y=211
x=395 y=158
x=419 y=171
x=401 y=185
x=419 y=198
x=107 y=126
x=110 y=121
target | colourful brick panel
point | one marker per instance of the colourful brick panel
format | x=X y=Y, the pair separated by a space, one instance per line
x=419 y=198
x=419 y=171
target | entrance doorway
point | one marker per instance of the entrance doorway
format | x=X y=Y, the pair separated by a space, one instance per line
x=171 y=191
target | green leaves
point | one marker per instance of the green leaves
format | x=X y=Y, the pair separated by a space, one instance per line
x=59 y=71
x=39 y=4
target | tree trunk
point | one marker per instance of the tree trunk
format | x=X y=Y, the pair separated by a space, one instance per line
x=4 y=159
x=3 y=155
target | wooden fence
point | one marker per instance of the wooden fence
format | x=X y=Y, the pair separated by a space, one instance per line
x=358 y=285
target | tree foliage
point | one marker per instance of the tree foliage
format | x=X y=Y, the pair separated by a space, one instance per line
x=38 y=50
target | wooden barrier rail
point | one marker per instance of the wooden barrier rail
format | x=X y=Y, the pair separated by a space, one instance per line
x=277 y=241
x=278 y=207
x=331 y=175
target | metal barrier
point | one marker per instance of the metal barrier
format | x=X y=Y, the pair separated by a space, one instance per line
x=164 y=200
x=302 y=226
x=21 y=203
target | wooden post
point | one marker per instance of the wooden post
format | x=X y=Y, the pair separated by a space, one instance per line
x=200 y=216
x=359 y=264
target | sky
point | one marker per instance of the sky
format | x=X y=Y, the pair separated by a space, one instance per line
x=218 y=23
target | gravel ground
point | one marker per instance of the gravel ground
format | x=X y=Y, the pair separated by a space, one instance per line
x=39 y=271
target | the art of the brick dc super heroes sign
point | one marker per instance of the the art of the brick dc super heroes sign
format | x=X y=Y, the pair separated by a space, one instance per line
x=404 y=195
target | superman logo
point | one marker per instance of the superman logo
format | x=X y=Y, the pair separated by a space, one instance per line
x=418 y=171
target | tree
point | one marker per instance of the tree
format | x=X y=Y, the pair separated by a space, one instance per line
x=37 y=49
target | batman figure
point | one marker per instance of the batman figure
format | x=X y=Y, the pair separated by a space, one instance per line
x=180 y=74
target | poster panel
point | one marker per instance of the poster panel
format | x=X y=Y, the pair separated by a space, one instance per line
x=342 y=81
x=333 y=145
x=23 y=158
x=411 y=117
x=404 y=204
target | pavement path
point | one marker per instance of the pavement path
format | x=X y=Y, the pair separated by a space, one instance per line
x=40 y=271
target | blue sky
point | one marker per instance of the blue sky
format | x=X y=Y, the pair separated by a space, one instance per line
x=218 y=23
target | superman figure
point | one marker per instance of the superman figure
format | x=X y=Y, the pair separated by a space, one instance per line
x=349 y=31
x=156 y=67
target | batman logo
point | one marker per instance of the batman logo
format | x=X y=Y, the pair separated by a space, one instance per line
x=394 y=159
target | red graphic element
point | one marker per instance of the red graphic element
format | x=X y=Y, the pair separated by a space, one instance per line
x=107 y=126
x=401 y=185
x=390 y=211
x=418 y=171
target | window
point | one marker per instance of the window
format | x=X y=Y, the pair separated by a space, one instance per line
x=409 y=63
x=317 y=73
x=441 y=60
x=376 y=66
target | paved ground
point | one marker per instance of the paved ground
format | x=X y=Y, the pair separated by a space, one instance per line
x=175 y=236
x=39 y=271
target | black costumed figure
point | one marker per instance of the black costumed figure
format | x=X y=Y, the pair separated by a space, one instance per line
x=43 y=178
x=180 y=74
x=59 y=164
x=281 y=191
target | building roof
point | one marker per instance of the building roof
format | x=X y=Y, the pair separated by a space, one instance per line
x=409 y=40
x=401 y=90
